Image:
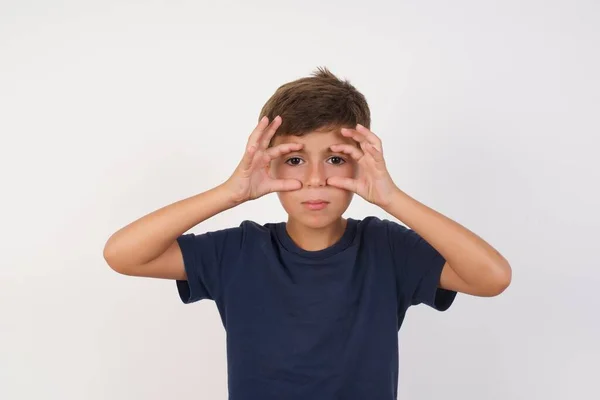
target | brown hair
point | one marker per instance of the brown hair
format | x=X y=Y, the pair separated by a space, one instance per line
x=316 y=103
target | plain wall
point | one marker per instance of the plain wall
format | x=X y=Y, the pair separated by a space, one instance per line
x=488 y=112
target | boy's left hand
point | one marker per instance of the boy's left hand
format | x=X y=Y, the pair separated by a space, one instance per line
x=372 y=181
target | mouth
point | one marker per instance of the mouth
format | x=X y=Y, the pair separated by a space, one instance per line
x=315 y=204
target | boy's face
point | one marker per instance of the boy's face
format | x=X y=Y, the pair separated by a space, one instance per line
x=312 y=165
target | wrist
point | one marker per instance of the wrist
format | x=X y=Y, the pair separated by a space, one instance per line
x=230 y=193
x=393 y=200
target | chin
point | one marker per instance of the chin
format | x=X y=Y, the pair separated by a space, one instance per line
x=315 y=219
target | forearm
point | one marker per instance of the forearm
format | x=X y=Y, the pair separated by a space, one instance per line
x=148 y=237
x=470 y=257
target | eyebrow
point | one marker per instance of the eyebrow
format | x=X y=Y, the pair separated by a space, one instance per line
x=325 y=151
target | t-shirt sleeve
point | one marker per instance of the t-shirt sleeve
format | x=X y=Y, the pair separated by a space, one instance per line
x=207 y=257
x=419 y=268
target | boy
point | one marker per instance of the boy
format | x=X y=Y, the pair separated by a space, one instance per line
x=312 y=306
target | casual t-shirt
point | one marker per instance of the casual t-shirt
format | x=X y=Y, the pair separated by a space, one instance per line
x=317 y=325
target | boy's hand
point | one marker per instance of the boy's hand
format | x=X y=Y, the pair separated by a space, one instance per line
x=373 y=182
x=251 y=179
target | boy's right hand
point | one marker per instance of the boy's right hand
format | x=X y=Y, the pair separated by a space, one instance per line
x=251 y=179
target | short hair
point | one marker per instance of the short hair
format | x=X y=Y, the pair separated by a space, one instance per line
x=318 y=102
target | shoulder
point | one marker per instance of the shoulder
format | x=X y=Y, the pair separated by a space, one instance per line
x=386 y=234
x=247 y=226
x=251 y=232
x=245 y=231
x=380 y=226
x=258 y=229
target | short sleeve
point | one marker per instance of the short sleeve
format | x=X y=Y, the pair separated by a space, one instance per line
x=207 y=257
x=419 y=268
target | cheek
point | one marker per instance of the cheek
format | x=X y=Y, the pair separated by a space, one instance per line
x=281 y=170
x=289 y=201
x=346 y=170
x=287 y=172
x=343 y=171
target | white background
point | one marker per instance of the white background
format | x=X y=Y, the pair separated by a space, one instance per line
x=488 y=111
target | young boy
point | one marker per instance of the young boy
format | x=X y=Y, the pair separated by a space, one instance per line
x=312 y=306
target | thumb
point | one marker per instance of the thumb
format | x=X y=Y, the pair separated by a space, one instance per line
x=342 y=183
x=284 y=185
x=246 y=162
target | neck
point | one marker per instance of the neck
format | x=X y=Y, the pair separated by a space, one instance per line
x=315 y=239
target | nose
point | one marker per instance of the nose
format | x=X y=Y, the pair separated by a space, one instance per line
x=316 y=175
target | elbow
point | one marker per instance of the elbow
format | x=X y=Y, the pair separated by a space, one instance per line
x=109 y=256
x=501 y=278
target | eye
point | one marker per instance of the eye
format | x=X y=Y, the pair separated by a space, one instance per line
x=338 y=160
x=295 y=159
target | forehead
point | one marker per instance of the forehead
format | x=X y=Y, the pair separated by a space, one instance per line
x=316 y=140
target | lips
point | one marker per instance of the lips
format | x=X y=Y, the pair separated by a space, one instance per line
x=317 y=201
x=317 y=204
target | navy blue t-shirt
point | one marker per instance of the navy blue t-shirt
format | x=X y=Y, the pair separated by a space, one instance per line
x=317 y=325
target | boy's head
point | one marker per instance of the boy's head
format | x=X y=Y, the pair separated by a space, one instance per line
x=313 y=110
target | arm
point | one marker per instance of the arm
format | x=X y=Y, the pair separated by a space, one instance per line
x=148 y=246
x=472 y=265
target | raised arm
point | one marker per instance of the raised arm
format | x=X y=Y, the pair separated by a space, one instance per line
x=148 y=246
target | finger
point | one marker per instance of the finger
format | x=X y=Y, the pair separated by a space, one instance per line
x=343 y=183
x=371 y=136
x=284 y=148
x=372 y=150
x=270 y=131
x=362 y=135
x=354 y=134
x=349 y=149
x=285 y=185
x=246 y=162
x=257 y=132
